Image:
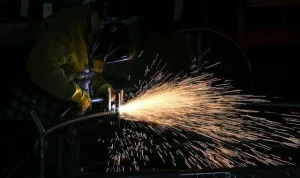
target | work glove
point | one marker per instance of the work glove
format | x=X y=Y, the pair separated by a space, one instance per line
x=102 y=91
x=82 y=99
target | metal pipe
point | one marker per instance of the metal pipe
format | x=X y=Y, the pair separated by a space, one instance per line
x=118 y=103
x=41 y=131
x=108 y=99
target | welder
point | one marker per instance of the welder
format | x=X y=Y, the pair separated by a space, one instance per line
x=64 y=67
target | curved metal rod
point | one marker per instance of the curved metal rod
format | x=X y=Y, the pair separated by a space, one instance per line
x=79 y=119
x=226 y=37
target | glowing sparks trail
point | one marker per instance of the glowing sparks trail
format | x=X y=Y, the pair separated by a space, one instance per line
x=203 y=121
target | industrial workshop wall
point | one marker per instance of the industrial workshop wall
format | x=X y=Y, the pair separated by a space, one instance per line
x=31 y=10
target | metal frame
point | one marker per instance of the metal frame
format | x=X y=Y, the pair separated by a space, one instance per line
x=42 y=132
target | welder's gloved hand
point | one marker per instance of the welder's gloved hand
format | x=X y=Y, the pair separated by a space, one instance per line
x=102 y=91
x=82 y=99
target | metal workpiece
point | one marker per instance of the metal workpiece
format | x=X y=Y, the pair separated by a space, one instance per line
x=108 y=99
x=101 y=100
x=118 y=101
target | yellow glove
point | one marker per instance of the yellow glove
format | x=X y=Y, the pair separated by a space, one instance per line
x=82 y=99
x=102 y=91
x=98 y=65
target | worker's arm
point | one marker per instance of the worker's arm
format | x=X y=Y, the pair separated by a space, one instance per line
x=46 y=69
x=100 y=86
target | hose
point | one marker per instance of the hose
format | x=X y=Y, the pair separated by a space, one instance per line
x=227 y=38
x=79 y=119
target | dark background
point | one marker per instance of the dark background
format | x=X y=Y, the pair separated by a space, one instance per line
x=266 y=30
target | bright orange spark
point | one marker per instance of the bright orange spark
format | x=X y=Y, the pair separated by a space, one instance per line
x=194 y=104
x=210 y=108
